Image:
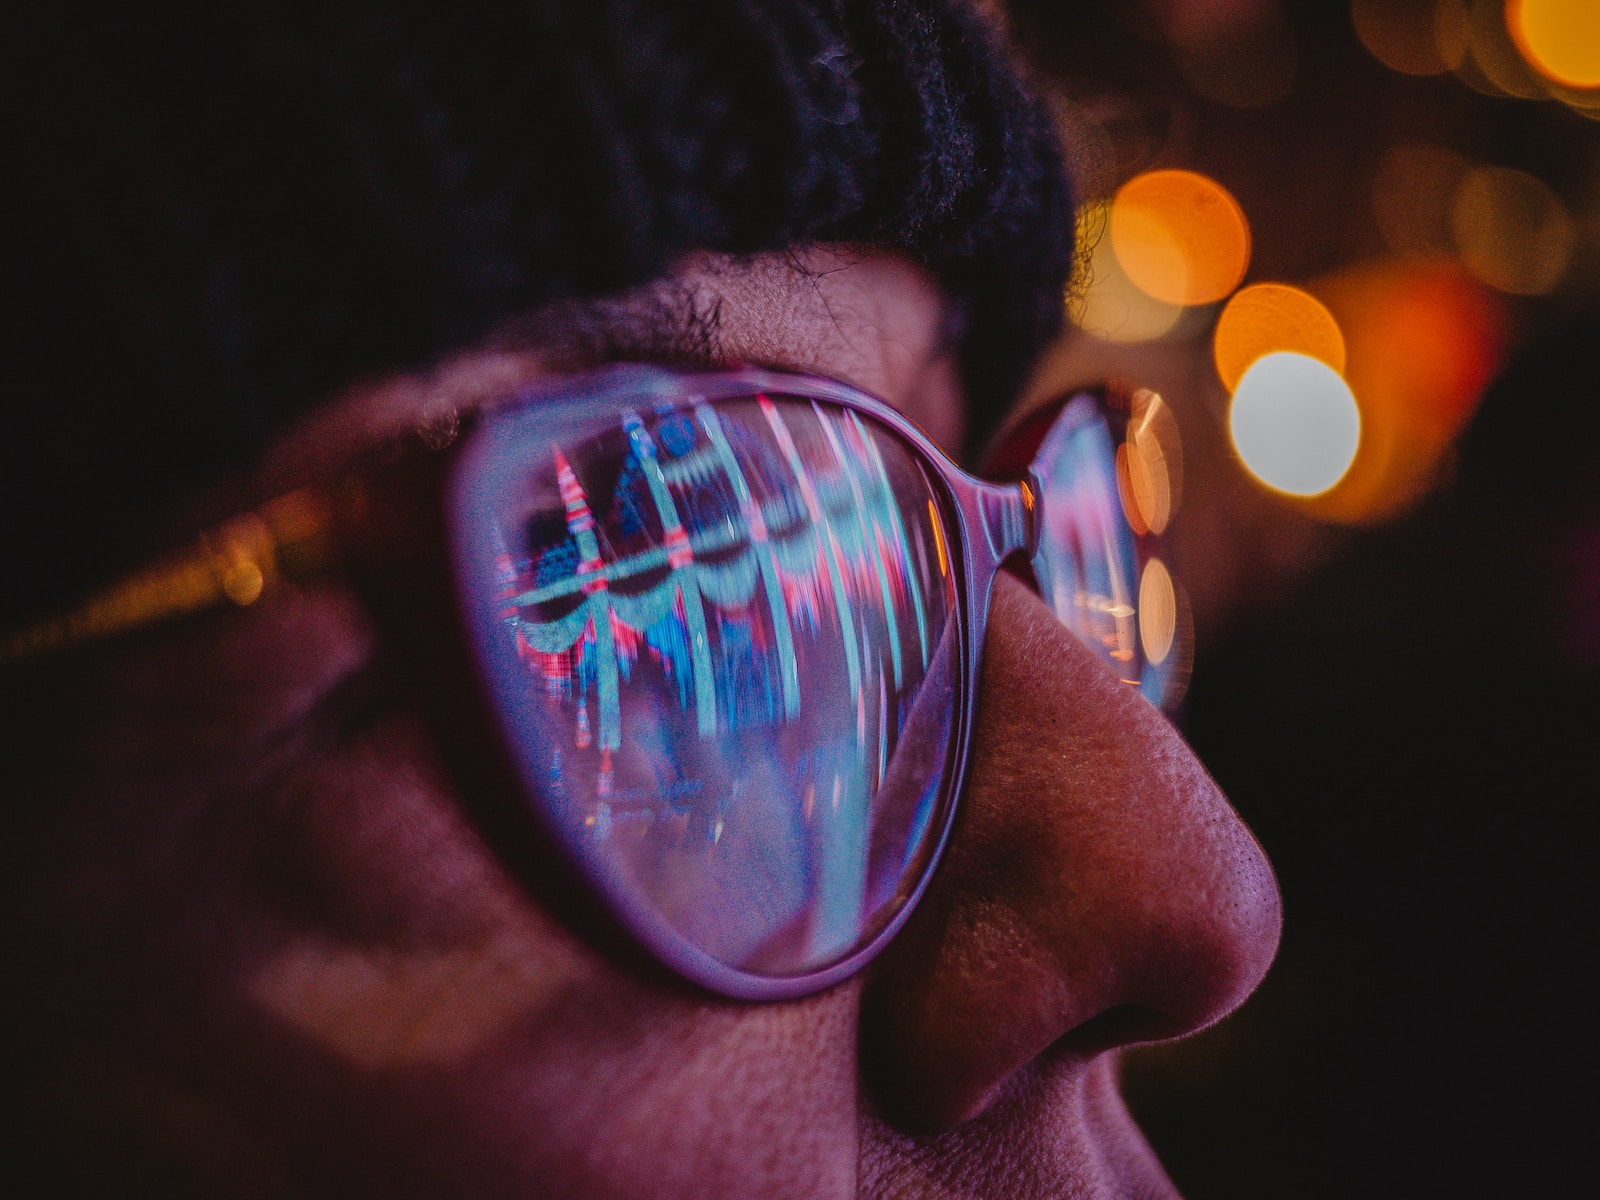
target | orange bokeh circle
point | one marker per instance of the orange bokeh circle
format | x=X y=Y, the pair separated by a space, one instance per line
x=1180 y=236
x=1558 y=38
x=1266 y=318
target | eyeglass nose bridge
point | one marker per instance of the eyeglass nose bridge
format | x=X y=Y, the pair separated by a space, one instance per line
x=1001 y=519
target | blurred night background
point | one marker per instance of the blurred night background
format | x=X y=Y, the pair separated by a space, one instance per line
x=1394 y=608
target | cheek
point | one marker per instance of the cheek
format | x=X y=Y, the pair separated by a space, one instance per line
x=401 y=942
x=626 y=1092
x=420 y=978
x=323 y=960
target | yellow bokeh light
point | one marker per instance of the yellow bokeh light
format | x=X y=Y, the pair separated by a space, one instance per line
x=1265 y=318
x=1512 y=231
x=1180 y=237
x=1295 y=424
x=1473 y=37
x=1452 y=32
x=1559 y=38
x=1158 y=611
x=1150 y=254
x=1585 y=102
x=1150 y=464
x=1473 y=41
x=1110 y=306
x=243 y=583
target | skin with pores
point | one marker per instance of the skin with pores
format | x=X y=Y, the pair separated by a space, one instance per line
x=296 y=968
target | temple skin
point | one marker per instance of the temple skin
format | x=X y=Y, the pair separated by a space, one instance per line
x=282 y=961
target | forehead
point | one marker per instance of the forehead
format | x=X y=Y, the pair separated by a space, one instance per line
x=868 y=318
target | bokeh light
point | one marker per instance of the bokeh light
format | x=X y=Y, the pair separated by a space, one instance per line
x=1109 y=305
x=1249 y=64
x=1295 y=423
x=243 y=583
x=1423 y=339
x=1401 y=34
x=1158 y=611
x=1412 y=196
x=1180 y=237
x=1150 y=464
x=1452 y=31
x=1484 y=56
x=1558 y=38
x=1265 y=318
x=1583 y=101
x=1512 y=231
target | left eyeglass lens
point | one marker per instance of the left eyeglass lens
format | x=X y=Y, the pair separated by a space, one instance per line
x=726 y=631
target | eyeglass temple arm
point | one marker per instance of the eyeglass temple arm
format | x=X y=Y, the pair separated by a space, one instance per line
x=293 y=537
x=290 y=537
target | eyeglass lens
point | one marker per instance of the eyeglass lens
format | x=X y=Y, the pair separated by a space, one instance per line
x=735 y=625
x=729 y=650
x=1100 y=500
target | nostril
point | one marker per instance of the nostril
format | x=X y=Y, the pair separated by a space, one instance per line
x=1123 y=1025
x=1097 y=891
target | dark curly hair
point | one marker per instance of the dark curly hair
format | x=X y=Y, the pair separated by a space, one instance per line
x=229 y=212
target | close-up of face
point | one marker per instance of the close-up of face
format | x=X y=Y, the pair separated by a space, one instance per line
x=362 y=992
x=275 y=947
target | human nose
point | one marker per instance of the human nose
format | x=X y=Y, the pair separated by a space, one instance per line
x=1098 y=890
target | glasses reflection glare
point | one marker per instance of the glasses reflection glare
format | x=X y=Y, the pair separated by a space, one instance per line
x=1158 y=611
x=1148 y=465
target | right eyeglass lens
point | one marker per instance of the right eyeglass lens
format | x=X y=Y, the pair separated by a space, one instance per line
x=736 y=629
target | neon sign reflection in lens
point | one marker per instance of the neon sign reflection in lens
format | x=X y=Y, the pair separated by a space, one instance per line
x=731 y=619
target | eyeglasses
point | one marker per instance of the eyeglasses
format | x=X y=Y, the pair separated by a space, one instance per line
x=726 y=628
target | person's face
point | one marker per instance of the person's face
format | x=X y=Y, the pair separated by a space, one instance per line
x=289 y=964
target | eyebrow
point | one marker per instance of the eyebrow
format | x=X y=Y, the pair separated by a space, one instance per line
x=667 y=322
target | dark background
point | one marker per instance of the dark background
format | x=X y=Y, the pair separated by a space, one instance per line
x=1405 y=710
